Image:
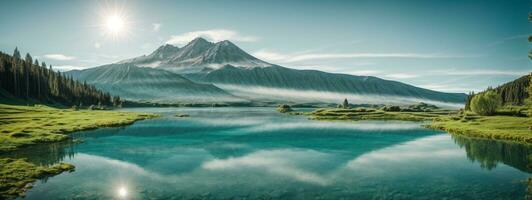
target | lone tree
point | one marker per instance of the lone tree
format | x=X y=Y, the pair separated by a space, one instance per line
x=345 y=104
x=486 y=103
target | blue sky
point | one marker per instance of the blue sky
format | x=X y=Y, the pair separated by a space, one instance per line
x=454 y=46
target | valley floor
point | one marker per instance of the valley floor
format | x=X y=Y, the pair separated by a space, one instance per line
x=23 y=126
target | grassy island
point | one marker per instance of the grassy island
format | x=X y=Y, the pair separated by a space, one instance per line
x=372 y=114
x=17 y=175
x=23 y=126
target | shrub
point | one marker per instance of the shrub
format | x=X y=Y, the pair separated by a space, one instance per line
x=391 y=108
x=284 y=108
x=486 y=103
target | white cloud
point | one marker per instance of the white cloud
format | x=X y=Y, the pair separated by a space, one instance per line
x=297 y=57
x=363 y=72
x=455 y=72
x=214 y=35
x=156 y=27
x=59 y=57
x=97 y=45
x=401 y=76
x=64 y=68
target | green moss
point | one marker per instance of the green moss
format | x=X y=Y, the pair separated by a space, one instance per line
x=16 y=175
x=25 y=125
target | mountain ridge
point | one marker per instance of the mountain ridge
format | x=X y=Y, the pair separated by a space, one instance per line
x=147 y=84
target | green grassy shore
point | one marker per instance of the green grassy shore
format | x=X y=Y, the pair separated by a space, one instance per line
x=499 y=127
x=24 y=126
x=512 y=128
x=27 y=125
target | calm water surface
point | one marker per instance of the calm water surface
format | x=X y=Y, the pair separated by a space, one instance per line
x=256 y=153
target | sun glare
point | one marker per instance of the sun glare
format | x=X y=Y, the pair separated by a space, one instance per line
x=114 y=24
x=114 y=21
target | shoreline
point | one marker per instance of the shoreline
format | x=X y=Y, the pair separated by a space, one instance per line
x=27 y=126
x=503 y=128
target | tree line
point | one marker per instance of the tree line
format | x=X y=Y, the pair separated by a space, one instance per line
x=511 y=93
x=29 y=80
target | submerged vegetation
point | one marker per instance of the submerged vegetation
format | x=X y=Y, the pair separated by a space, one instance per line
x=24 y=125
x=16 y=175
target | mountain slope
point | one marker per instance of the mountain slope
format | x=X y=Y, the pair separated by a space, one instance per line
x=147 y=84
x=198 y=55
x=313 y=80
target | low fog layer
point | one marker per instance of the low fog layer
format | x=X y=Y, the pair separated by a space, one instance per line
x=312 y=96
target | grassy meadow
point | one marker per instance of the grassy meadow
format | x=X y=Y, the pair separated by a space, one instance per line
x=27 y=125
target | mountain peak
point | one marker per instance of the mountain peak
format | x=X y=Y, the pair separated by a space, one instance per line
x=198 y=40
x=198 y=54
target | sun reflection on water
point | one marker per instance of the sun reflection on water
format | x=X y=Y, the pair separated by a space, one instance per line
x=122 y=192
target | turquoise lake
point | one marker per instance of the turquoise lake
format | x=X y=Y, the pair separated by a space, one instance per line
x=257 y=153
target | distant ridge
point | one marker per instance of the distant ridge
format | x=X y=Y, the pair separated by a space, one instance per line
x=147 y=84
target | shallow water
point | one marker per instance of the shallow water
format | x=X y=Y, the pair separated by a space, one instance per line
x=256 y=153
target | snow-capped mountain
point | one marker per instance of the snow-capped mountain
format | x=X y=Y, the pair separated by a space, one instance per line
x=198 y=55
x=231 y=69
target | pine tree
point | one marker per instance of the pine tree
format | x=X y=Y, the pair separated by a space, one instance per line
x=27 y=65
x=345 y=104
x=16 y=53
x=530 y=96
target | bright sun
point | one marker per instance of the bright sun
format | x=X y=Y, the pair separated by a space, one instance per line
x=114 y=24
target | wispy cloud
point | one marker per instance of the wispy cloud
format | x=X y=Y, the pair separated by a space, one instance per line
x=59 y=57
x=214 y=35
x=66 y=67
x=456 y=72
x=156 y=27
x=401 y=75
x=522 y=37
x=297 y=57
